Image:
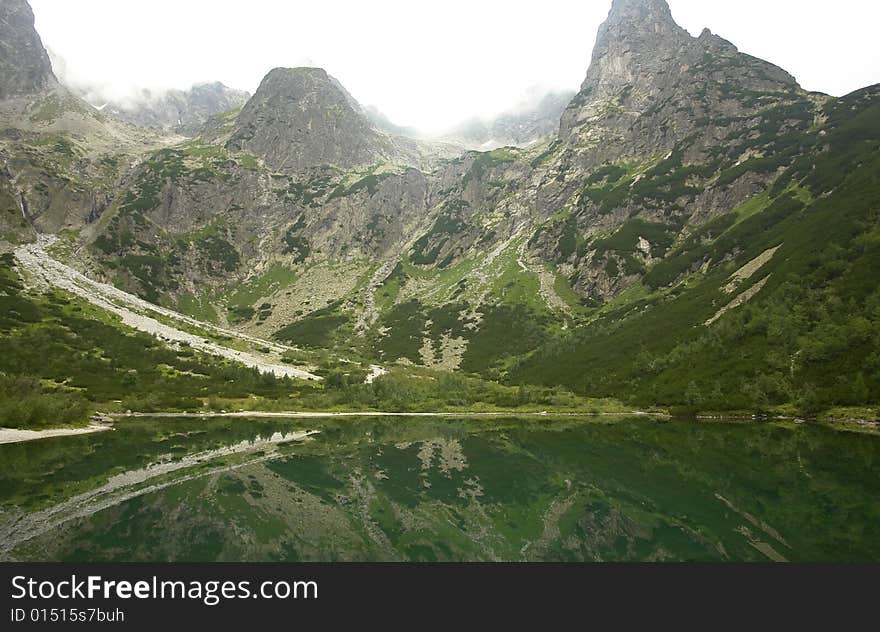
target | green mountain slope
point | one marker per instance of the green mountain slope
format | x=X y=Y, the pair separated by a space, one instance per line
x=810 y=336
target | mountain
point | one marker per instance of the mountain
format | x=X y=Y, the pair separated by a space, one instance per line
x=651 y=86
x=523 y=126
x=300 y=118
x=694 y=205
x=382 y=122
x=181 y=111
x=25 y=68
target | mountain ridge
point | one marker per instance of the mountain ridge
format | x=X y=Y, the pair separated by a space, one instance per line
x=180 y=111
x=300 y=118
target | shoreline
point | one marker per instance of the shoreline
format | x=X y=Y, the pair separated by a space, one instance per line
x=328 y=415
x=16 y=435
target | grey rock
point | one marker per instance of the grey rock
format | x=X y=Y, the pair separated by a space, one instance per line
x=301 y=118
x=25 y=68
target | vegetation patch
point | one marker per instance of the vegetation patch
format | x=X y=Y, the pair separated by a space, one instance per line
x=317 y=330
x=449 y=223
x=369 y=183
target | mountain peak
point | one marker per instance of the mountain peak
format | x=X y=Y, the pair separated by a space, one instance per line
x=183 y=111
x=650 y=82
x=630 y=18
x=24 y=63
x=637 y=38
x=640 y=10
x=306 y=86
x=286 y=75
x=303 y=117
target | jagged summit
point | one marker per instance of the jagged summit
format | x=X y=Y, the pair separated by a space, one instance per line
x=649 y=81
x=640 y=12
x=302 y=117
x=24 y=63
x=638 y=38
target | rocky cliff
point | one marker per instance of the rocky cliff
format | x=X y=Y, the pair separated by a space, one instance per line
x=60 y=160
x=25 y=68
x=651 y=85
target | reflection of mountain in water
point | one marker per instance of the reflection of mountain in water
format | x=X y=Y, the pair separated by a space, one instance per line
x=442 y=489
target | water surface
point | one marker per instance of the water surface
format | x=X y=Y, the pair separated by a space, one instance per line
x=427 y=489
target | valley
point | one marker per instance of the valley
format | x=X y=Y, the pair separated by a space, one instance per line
x=637 y=322
x=696 y=236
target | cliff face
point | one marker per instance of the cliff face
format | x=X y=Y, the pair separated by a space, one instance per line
x=25 y=68
x=662 y=136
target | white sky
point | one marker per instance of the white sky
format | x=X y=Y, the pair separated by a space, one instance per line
x=429 y=64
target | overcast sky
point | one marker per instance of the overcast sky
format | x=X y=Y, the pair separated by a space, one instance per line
x=429 y=64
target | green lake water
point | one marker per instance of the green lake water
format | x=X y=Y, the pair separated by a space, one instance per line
x=425 y=489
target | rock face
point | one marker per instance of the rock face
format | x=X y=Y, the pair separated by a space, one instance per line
x=184 y=112
x=25 y=68
x=301 y=118
x=650 y=84
x=668 y=132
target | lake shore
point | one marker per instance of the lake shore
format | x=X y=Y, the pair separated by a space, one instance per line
x=327 y=415
x=15 y=435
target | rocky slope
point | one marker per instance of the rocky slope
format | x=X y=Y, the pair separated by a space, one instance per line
x=61 y=162
x=300 y=118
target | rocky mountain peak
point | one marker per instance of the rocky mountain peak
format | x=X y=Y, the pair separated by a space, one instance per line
x=301 y=118
x=637 y=39
x=650 y=81
x=640 y=12
x=24 y=63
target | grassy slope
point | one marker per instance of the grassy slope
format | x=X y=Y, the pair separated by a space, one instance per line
x=61 y=359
